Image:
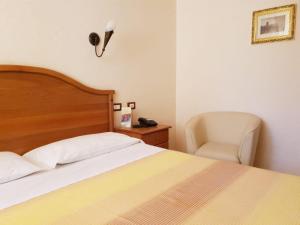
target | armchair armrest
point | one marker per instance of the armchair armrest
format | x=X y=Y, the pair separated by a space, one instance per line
x=249 y=144
x=194 y=134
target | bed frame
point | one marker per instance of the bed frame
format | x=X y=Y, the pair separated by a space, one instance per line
x=39 y=106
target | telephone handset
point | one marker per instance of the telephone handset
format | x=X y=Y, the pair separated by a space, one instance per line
x=143 y=122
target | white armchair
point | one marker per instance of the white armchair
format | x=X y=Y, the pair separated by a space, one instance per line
x=231 y=136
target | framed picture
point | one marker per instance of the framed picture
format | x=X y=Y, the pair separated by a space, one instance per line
x=126 y=117
x=275 y=24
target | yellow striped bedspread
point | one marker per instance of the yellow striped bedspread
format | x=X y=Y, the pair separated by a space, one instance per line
x=168 y=188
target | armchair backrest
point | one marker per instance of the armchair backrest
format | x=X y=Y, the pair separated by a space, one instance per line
x=228 y=127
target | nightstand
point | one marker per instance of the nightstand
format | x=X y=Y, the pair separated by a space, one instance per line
x=157 y=136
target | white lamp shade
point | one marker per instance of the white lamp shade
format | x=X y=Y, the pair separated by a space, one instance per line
x=110 y=26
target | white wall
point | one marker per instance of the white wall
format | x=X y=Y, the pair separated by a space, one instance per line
x=140 y=59
x=218 y=69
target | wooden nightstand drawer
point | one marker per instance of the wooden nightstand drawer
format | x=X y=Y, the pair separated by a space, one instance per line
x=164 y=145
x=158 y=136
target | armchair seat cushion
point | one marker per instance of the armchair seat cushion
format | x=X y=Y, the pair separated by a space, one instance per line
x=228 y=152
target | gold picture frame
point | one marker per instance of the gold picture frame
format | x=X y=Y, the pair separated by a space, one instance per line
x=274 y=24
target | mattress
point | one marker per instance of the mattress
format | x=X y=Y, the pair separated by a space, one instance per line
x=165 y=187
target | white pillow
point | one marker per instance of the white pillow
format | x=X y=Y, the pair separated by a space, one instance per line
x=13 y=166
x=78 y=148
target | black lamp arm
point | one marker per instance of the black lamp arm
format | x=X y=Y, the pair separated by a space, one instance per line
x=96 y=52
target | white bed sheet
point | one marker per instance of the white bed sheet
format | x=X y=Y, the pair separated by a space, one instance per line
x=29 y=187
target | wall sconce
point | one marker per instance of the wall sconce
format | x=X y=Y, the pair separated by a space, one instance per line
x=95 y=39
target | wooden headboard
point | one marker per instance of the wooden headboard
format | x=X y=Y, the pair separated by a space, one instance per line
x=39 y=106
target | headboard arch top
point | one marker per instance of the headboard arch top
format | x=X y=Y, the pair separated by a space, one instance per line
x=52 y=73
x=39 y=106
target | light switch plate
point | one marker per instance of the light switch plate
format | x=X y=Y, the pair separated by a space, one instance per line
x=117 y=107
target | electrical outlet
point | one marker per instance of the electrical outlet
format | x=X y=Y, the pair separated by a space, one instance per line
x=132 y=105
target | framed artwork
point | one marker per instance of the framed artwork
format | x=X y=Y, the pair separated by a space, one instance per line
x=275 y=24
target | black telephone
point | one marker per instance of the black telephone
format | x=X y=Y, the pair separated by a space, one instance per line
x=143 y=122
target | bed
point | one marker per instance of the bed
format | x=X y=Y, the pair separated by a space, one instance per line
x=135 y=184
